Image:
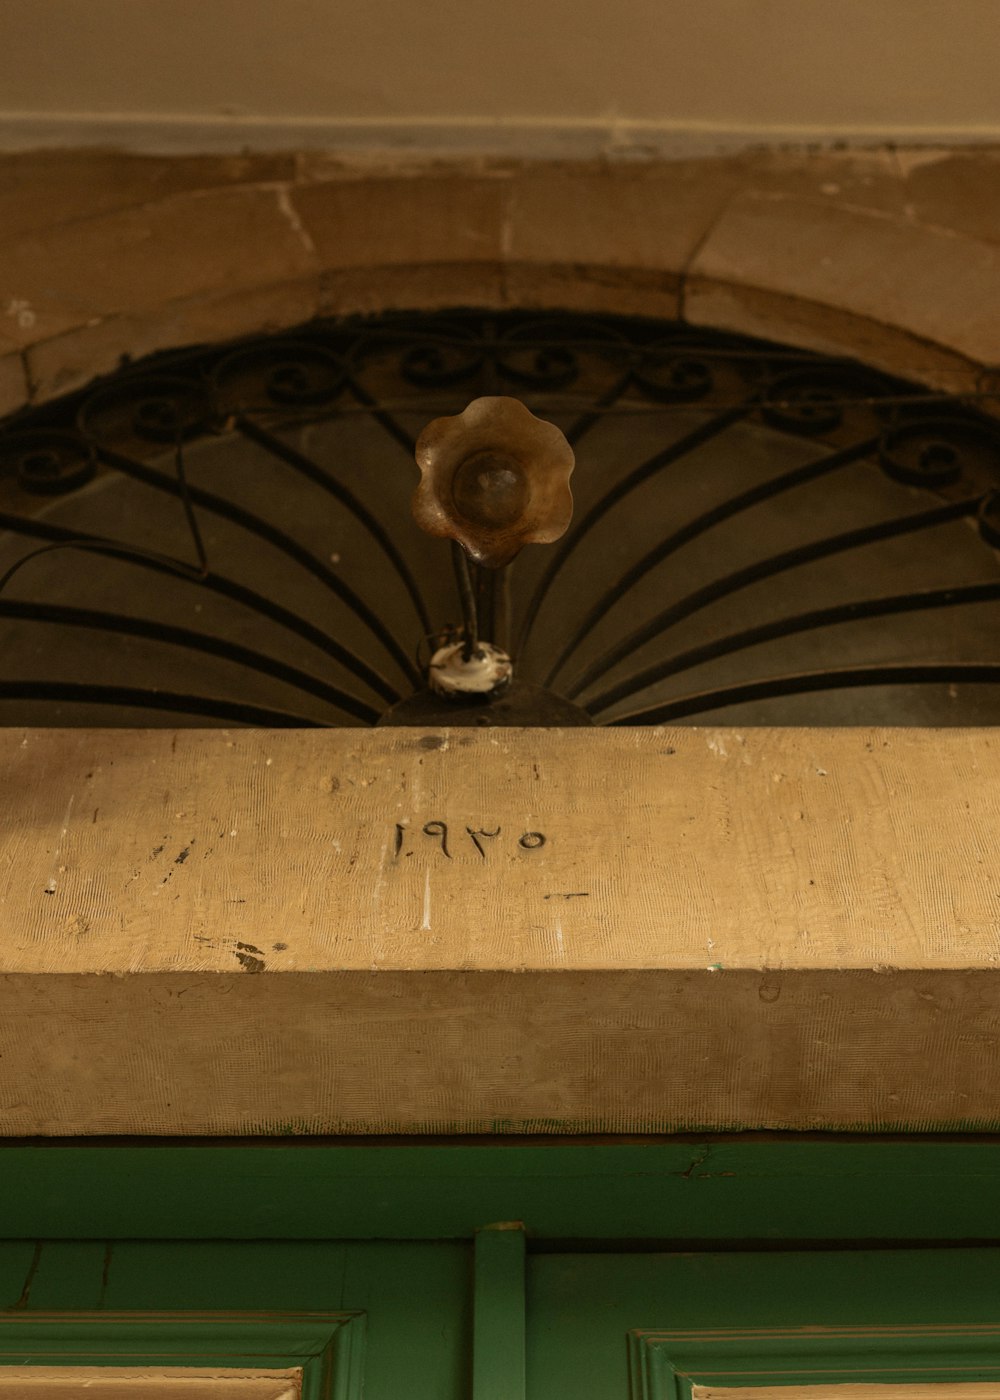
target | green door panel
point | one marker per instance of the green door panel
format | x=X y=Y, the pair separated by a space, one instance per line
x=416 y=1298
x=669 y=1365
x=65 y=1274
x=16 y=1258
x=583 y=1308
x=326 y=1349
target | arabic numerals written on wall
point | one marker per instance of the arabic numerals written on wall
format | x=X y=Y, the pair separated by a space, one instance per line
x=451 y=839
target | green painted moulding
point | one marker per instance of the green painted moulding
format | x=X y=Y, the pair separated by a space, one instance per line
x=326 y=1347
x=751 y=1189
x=668 y=1365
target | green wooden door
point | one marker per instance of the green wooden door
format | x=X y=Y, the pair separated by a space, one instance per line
x=604 y=1326
x=405 y=1307
x=639 y=1272
x=496 y=1321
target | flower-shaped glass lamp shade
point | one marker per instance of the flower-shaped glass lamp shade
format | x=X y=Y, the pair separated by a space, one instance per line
x=494 y=478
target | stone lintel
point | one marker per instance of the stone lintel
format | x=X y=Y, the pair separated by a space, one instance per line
x=406 y=931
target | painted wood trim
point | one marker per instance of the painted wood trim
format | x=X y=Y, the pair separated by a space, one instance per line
x=874 y=1390
x=783 y=929
x=498 y=1349
x=148 y=1383
x=326 y=1347
x=695 y=1191
x=666 y=1365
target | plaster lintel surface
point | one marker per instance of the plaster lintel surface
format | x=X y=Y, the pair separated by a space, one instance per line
x=311 y=931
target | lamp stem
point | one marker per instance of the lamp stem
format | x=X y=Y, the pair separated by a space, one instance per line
x=467 y=598
x=501 y=608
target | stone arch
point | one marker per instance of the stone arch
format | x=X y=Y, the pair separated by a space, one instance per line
x=892 y=259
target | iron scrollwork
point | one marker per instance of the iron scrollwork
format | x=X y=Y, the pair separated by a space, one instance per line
x=762 y=535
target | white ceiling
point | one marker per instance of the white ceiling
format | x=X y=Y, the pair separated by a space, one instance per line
x=658 y=73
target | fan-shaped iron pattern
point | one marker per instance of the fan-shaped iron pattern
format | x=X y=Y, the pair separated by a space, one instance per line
x=223 y=536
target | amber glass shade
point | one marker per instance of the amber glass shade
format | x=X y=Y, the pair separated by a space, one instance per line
x=494 y=478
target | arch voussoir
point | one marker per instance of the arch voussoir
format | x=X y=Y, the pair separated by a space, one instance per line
x=885 y=259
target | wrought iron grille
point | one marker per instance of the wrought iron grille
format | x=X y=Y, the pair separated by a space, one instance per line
x=762 y=536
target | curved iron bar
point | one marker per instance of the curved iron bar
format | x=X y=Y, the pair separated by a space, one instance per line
x=82 y=692
x=688 y=343
x=253 y=524
x=765 y=491
x=395 y=431
x=215 y=583
x=313 y=472
x=184 y=493
x=768 y=568
x=809 y=682
x=957 y=596
x=193 y=641
x=594 y=414
x=91 y=544
x=553 y=402
x=642 y=473
x=556 y=353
